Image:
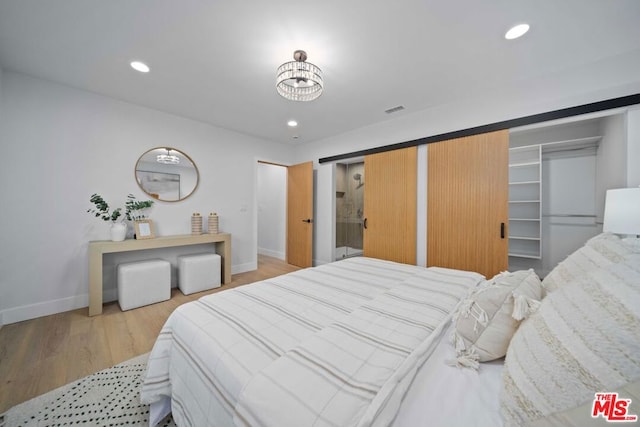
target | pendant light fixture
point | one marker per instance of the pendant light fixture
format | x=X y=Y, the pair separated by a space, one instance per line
x=168 y=159
x=299 y=80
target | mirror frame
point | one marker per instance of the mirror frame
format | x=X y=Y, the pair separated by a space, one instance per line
x=135 y=175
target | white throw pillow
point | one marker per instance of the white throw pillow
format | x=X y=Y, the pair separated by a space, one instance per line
x=584 y=339
x=599 y=251
x=486 y=321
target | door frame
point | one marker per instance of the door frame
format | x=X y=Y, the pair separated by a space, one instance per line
x=261 y=159
x=334 y=202
x=257 y=161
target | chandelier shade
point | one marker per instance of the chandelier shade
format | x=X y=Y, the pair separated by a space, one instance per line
x=299 y=80
x=168 y=159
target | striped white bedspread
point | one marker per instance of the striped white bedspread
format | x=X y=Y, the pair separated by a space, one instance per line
x=331 y=345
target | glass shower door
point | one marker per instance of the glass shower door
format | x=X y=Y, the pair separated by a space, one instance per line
x=349 y=209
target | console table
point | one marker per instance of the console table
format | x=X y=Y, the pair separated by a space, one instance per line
x=221 y=243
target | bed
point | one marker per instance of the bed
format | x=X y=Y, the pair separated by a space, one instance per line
x=360 y=342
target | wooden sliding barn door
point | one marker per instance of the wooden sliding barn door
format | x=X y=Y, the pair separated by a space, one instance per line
x=390 y=205
x=467 y=211
x=300 y=214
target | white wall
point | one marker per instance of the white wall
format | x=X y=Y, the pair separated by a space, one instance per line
x=272 y=210
x=611 y=166
x=610 y=78
x=324 y=219
x=633 y=148
x=64 y=145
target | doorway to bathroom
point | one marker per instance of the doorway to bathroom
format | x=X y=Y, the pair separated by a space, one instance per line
x=349 y=209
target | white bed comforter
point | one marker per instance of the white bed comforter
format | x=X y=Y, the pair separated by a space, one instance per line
x=332 y=345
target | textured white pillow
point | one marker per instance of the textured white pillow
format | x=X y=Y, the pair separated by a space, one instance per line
x=599 y=251
x=487 y=320
x=584 y=339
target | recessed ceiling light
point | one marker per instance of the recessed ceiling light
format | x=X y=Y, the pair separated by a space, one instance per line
x=516 y=31
x=140 y=66
x=292 y=123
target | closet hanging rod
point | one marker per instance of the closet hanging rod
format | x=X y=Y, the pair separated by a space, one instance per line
x=565 y=149
x=570 y=215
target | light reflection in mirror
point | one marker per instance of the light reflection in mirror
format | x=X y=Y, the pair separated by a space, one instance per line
x=167 y=174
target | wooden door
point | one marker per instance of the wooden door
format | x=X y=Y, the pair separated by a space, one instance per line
x=300 y=214
x=390 y=205
x=467 y=211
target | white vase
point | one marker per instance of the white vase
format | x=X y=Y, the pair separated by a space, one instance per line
x=118 y=231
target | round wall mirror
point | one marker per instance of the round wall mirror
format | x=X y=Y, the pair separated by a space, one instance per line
x=167 y=174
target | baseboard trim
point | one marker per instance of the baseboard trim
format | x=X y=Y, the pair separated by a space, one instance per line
x=110 y=295
x=46 y=308
x=274 y=254
x=243 y=268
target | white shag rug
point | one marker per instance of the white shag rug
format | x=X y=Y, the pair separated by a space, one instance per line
x=107 y=398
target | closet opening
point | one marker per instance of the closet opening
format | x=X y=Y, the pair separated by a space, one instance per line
x=350 y=182
x=272 y=209
x=558 y=176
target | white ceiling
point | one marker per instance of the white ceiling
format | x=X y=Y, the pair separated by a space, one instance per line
x=215 y=61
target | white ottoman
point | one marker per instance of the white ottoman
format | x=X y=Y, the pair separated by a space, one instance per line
x=198 y=272
x=143 y=283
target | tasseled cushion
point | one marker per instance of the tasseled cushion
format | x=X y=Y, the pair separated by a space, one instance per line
x=488 y=319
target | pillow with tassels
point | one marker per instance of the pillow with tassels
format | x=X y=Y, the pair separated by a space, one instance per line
x=486 y=321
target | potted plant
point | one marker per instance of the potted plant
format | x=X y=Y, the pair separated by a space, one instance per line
x=134 y=208
x=133 y=211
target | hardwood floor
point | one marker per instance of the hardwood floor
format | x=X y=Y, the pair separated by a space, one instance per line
x=39 y=355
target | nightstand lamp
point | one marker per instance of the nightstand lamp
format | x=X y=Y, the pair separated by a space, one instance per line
x=622 y=211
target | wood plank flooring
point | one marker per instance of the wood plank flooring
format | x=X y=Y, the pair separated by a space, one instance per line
x=39 y=355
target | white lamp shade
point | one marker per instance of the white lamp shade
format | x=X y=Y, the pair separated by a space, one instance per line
x=622 y=211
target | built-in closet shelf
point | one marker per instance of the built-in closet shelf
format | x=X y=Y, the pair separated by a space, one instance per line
x=546 y=147
x=525 y=206
x=570 y=144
